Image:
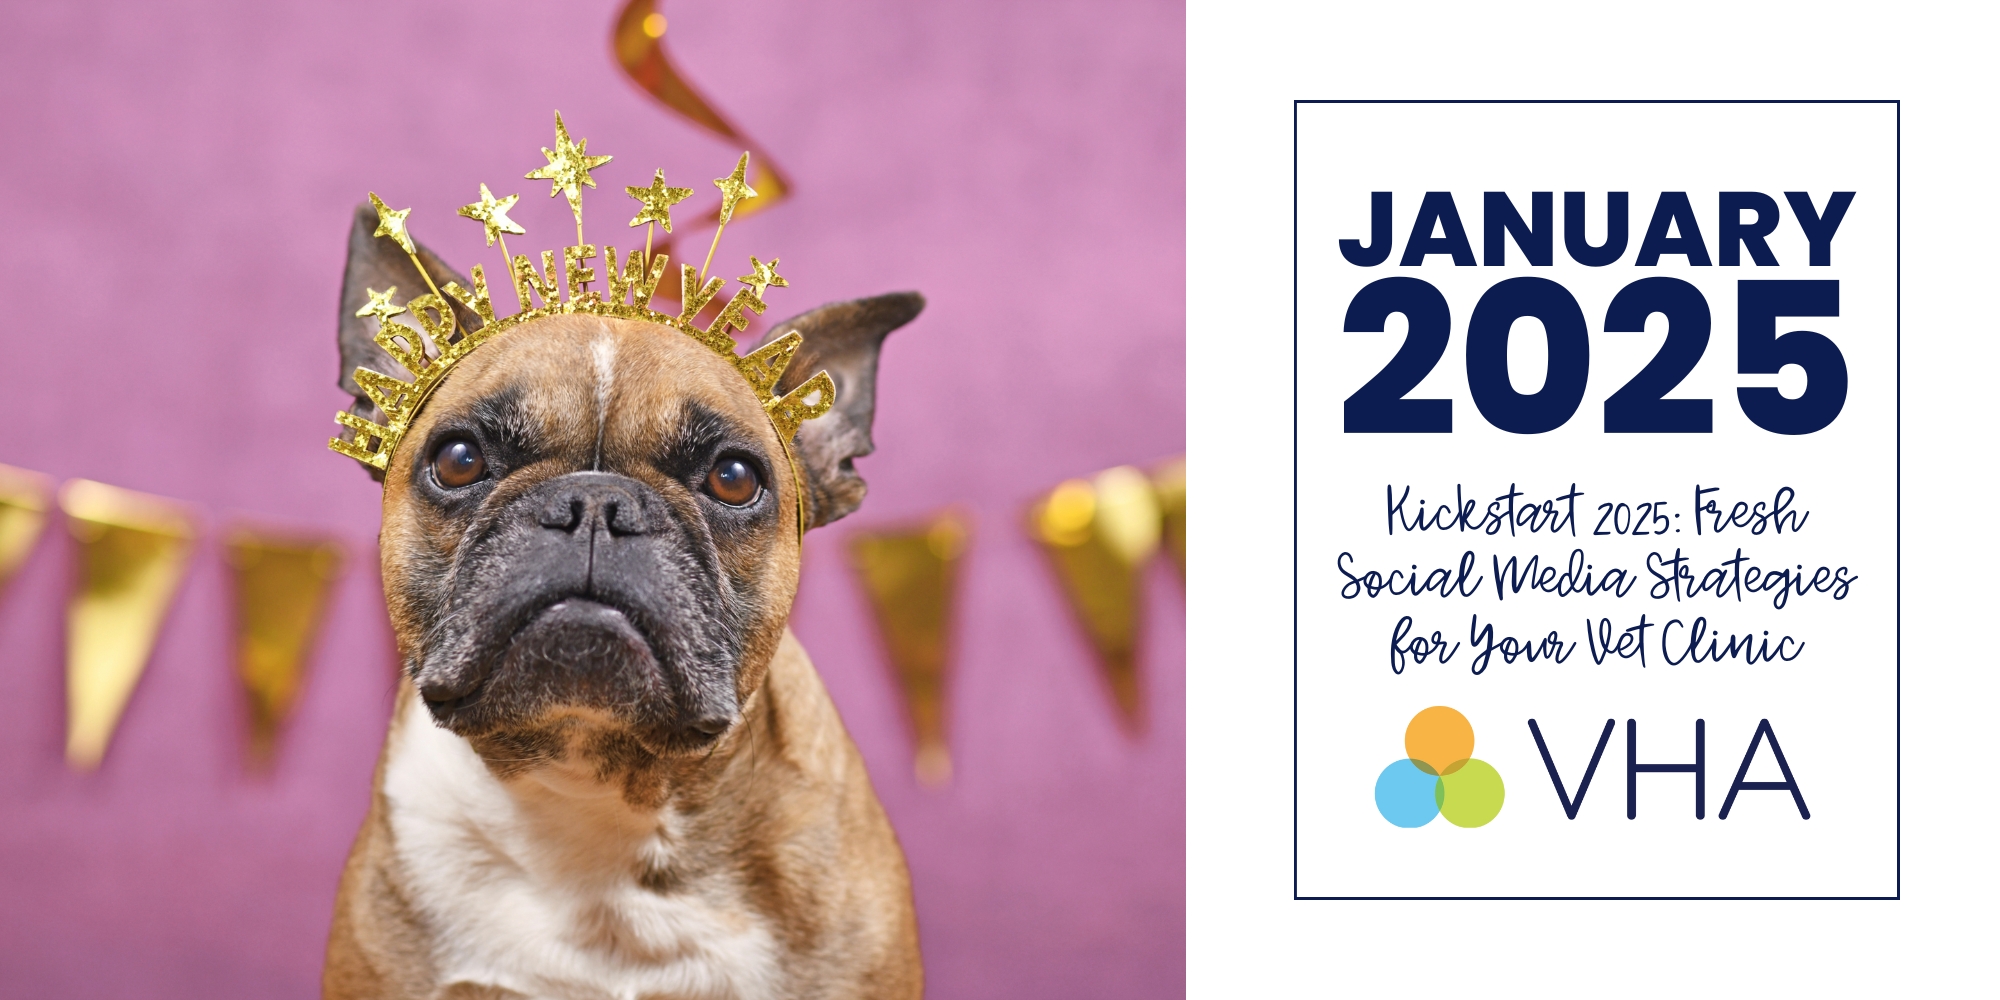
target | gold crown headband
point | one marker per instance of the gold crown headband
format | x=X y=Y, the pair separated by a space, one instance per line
x=430 y=354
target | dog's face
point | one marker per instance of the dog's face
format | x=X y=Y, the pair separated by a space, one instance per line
x=590 y=536
x=591 y=530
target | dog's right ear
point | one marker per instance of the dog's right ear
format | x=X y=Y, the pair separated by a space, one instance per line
x=380 y=264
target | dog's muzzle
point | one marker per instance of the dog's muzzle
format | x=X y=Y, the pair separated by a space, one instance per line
x=586 y=592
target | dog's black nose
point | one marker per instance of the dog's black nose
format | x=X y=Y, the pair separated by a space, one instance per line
x=589 y=500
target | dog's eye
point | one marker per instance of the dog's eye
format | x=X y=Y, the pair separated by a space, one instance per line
x=458 y=463
x=732 y=481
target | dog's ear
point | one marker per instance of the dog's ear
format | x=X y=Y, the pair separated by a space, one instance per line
x=844 y=339
x=379 y=264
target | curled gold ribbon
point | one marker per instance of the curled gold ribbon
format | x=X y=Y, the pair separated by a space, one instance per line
x=639 y=43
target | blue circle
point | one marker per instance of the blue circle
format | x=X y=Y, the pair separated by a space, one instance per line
x=1406 y=795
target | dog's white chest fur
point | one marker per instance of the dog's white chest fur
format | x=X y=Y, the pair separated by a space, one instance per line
x=534 y=890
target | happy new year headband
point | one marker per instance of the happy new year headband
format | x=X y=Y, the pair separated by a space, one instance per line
x=430 y=353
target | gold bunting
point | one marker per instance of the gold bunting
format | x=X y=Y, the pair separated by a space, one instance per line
x=911 y=578
x=282 y=587
x=1099 y=534
x=133 y=551
x=24 y=509
x=1170 y=485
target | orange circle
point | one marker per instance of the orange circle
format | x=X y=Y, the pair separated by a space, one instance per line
x=1439 y=740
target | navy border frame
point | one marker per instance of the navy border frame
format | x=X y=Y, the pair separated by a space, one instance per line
x=1295 y=490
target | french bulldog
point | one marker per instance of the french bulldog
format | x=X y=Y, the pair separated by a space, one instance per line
x=612 y=771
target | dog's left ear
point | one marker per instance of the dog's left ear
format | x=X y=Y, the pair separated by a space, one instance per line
x=845 y=340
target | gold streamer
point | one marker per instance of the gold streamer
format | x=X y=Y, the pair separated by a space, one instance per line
x=1099 y=534
x=1170 y=485
x=911 y=578
x=24 y=509
x=282 y=587
x=639 y=41
x=134 y=551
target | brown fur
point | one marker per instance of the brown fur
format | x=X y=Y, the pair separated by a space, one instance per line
x=779 y=804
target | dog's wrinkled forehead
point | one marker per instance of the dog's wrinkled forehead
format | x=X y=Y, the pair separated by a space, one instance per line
x=589 y=392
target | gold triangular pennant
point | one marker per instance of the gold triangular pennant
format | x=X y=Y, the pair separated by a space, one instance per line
x=282 y=587
x=24 y=509
x=1170 y=485
x=1099 y=534
x=911 y=578
x=133 y=549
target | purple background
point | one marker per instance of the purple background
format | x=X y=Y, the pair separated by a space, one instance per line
x=179 y=179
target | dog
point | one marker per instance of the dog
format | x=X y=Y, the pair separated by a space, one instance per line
x=612 y=770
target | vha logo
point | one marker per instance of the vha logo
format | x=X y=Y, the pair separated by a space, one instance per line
x=1439 y=776
x=1699 y=768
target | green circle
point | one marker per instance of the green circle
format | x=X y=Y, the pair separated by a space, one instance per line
x=1471 y=795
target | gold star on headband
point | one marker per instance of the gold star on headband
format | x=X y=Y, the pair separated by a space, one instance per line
x=656 y=199
x=734 y=189
x=761 y=275
x=491 y=212
x=379 y=305
x=390 y=223
x=568 y=169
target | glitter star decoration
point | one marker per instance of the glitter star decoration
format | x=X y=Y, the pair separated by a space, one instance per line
x=379 y=305
x=655 y=200
x=762 y=275
x=391 y=223
x=568 y=169
x=491 y=212
x=734 y=189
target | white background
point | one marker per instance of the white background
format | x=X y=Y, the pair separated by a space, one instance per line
x=1246 y=935
x=1832 y=709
